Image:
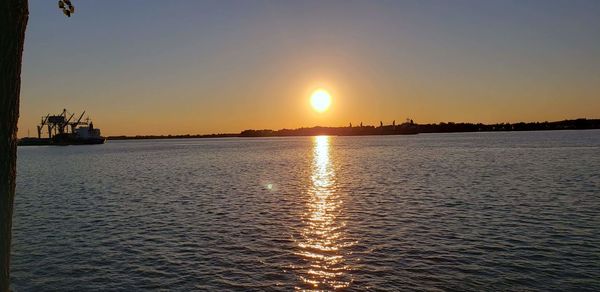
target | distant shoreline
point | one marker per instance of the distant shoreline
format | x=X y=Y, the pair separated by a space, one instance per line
x=407 y=128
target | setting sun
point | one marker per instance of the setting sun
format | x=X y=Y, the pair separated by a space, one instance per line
x=320 y=100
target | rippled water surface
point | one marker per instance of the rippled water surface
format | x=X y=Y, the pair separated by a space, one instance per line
x=477 y=211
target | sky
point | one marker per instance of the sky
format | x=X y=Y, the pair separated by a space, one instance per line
x=143 y=67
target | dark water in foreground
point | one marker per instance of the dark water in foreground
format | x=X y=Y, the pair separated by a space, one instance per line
x=479 y=211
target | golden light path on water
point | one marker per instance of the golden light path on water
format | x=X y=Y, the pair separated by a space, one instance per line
x=322 y=240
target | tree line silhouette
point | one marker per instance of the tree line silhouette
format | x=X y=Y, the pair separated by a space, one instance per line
x=407 y=128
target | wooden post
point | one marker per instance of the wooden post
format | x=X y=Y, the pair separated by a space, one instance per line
x=13 y=22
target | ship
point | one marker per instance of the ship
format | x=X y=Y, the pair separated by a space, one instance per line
x=62 y=130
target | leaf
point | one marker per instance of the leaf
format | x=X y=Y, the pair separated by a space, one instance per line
x=67 y=12
x=72 y=9
x=61 y=4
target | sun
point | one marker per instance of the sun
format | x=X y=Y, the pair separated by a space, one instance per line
x=320 y=100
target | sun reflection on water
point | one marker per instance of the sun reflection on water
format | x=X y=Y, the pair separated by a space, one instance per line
x=322 y=241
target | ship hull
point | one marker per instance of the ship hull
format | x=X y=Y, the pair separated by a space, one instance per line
x=61 y=140
x=69 y=139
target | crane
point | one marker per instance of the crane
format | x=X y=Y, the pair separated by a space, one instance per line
x=41 y=125
x=62 y=126
x=75 y=124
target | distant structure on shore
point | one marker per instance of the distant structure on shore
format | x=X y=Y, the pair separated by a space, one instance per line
x=409 y=127
x=62 y=129
x=406 y=128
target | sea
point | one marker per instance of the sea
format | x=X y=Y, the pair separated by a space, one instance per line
x=509 y=211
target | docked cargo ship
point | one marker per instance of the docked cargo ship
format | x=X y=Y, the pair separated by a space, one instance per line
x=62 y=129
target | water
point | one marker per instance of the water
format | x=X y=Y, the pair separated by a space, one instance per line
x=476 y=211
